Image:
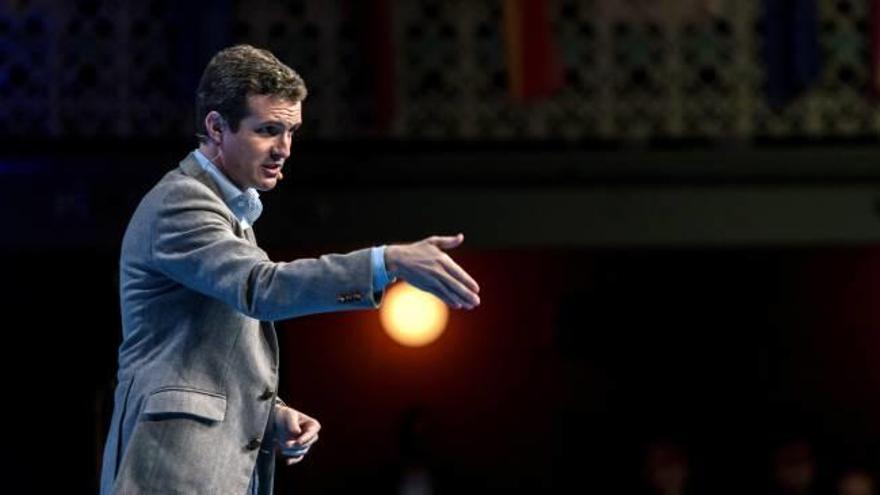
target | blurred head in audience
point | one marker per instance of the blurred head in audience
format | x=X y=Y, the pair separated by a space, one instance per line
x=856 y=482
x=666 y=467
x=794 y=468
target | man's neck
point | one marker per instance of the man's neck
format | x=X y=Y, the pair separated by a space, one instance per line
x=211 y=152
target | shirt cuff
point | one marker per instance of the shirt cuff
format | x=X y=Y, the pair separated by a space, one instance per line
x=380 y=274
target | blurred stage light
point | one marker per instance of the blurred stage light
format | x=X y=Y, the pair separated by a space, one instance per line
x=412 y=317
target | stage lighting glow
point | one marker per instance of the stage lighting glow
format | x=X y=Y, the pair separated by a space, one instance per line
x=412 y=317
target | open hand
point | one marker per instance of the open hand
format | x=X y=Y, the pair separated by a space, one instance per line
x=425 y=265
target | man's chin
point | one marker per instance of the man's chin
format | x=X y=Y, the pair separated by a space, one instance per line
x=266 y=185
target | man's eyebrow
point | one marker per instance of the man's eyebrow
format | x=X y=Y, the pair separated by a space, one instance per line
x=279 y=123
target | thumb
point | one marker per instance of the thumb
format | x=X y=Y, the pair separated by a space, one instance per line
x=292 y=434
x=292 y=423
x=448 y=242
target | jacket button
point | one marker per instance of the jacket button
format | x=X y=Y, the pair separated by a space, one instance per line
x=267 y=394
x=254 y=444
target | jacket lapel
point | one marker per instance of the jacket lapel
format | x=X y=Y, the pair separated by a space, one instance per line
x=190 y=166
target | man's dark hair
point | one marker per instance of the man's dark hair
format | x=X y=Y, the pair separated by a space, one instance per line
x=237 y=72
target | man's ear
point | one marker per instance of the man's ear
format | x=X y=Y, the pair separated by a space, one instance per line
x=214 y=126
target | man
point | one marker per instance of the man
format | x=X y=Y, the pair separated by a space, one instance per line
x=195 y=408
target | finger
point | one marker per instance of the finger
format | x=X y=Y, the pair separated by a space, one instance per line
x=430 y=283
x=300 y=442
x=433 y=286
x=447 y=242
x=449 y=296
x=459 y=273
x=310 y=426
x=309 y=432
x=461 y=292
x=307 y=442
x=295 y=451
x=294 y=443
x=294 y=460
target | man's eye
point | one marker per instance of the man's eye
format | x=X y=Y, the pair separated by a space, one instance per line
x=270 y=131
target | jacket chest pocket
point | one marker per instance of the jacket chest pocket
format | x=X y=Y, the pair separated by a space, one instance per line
x=179 y=401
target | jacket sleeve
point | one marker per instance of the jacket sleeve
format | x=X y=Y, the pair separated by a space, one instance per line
x=192 y=242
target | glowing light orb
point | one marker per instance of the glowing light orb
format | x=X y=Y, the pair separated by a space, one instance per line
x=412 y=317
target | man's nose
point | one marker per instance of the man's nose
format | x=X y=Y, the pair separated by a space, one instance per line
x=281 y=150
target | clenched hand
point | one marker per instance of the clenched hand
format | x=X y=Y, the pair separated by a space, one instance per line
x=295 y=433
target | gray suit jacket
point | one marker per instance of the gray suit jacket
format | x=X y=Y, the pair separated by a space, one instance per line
x=198 y=364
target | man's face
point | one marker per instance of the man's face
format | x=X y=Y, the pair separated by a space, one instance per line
x=253 y=156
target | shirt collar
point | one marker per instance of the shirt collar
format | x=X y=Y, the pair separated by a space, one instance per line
x=245 y=205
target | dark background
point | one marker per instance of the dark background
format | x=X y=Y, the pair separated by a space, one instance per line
x=667 y=249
